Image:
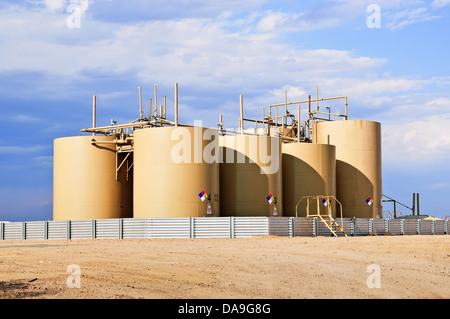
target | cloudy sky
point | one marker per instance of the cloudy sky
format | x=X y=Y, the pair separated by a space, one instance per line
x=56 y=54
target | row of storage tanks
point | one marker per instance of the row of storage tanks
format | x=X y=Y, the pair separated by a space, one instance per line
x=241 y=175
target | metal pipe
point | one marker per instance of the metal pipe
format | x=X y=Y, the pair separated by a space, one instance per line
x=164 y=115
x=285 y=102
x=141 y=113
x=241 y=119
x=309 y=115
x=149 y=108
x=309 y=104
x=418 y=209
x=263 y=125
x=317 y=98
x=176 y=104
x=395 y=209
x=276 y=119
x=307 y=101
x=414 y=204
x=94 y=111
x=298 y=123
x=156 y=102
x=346 y=106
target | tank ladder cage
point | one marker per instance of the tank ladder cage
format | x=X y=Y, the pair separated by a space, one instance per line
x=333 y=226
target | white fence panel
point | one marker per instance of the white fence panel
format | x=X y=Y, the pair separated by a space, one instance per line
x=35 y=230
x=13 y=231
x=279 y=226
x=107 y=228
x=250 y=226
x=379 y=226
x=135 y=228
x=82 y=229
x=440 y=227
x=362 y=227
x=170 y=227
x=57 y=229
x=211 y=227
x=395 y=226
x=303 y=226
x=411 y=226
x=426 y=227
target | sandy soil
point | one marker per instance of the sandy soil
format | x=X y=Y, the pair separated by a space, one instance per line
x=259 y=267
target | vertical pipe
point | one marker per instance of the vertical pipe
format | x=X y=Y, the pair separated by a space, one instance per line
x=141 y=114
x=395 y=209
x=164 y=114
x=94 y=111
x=309 y=105
x=414 y=204
x=317 y=98
x=309 y=115
x=346 y=107
x=263 y=124
x=176 y=104
x=418 y=207
x=285 y=102
x=318 y=205
x=298 y=123
x=156 y=102
x=276 y=119
x=241 y=120
x=149 y=109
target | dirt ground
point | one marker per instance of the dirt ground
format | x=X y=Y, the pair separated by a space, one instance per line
x=259 y=267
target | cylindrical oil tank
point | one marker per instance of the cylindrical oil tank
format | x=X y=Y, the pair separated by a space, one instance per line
x=358 y=164
x=308 y=170
x=250 y=176
x=173 y=167
x=84 y=180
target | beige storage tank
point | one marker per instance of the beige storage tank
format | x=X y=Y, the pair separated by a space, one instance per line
x=308 y=170
x=250 y=172
x=84 y=180
x=172 y=166
x=358 y=164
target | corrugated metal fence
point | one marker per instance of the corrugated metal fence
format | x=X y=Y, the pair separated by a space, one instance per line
x=213 y=227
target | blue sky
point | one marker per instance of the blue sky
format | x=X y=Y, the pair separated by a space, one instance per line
x=397 y=74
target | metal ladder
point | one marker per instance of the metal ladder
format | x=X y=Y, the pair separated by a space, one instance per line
x=333 y=226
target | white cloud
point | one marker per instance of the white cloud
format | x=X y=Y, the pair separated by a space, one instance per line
x=441 y=3
x=199 y=51
x=420 y=141
x=413 y=108
x=410 y=16
x=63 y=5
x=24 y=118
x=55 y=5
